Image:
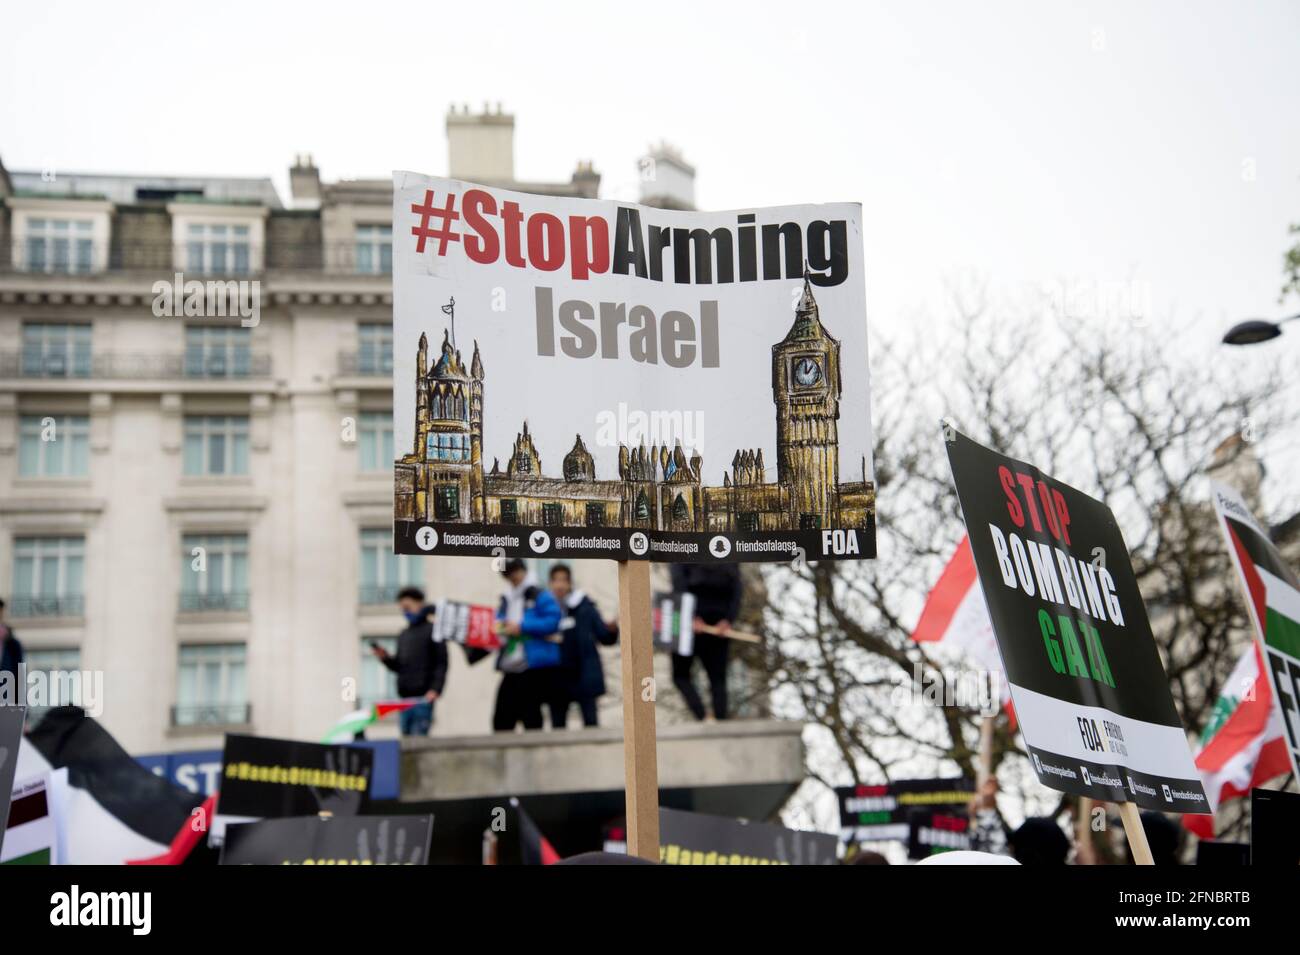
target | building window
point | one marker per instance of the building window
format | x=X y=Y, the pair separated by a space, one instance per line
x=53 y=447
x=56 y=350
x=539 y=568
x=214 y=572
x=810 y=522
x=442 y=446
x=642 y=511
x=552 y=515
x=48 y=574
x=681 y=513
x=595 y=515
x=375 y=440
x=375 y=249
x=377 y=682
x=446 y=503
x=383 y=573
x=374 y=348
x=509 y=511
x=62 y=669
x=748 y=521
x=211 y=689
x=60 y=245
x=218 y=248
x=217 y=352
x=216 y=444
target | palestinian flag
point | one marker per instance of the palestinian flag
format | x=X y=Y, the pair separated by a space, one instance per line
x=674 y=622
x=956 y=617
x=533 y=846
x=347 y=728
x=31 y=836
x=1272 y=592
x=1242 y=746
x=111 y=808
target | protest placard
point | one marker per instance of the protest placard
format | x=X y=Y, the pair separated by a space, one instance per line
x=337 y=840
x=1085 y=675
x=264 y=778
x=920 y=812
x=696 y=838
x=630 y=347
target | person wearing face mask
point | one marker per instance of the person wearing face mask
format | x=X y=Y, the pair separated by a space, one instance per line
x=420 y=663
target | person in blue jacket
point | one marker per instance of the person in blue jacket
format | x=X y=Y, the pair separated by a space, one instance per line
x=528 y=619
x=582 y=676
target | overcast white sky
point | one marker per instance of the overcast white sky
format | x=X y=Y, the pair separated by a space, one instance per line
x=1029 y=143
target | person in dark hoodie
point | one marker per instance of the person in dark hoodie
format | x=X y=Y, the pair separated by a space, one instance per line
x=420 y=663
x=528 y=618
x=717 y=591
x=582 y=677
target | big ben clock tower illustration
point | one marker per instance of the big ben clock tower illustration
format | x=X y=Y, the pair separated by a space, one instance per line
x=806 y=389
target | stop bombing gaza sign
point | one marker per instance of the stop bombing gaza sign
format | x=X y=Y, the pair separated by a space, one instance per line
x=1089 y=690
x=588 y=378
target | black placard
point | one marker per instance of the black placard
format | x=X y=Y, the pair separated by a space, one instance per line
x=1089 y=690
x=11 y=735
x=694 y=838
x=928 y=814
x=338 y=840
x=264 y=778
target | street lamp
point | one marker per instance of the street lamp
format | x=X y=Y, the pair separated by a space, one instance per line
x=1255 y=330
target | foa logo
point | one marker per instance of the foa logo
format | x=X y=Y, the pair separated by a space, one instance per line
x=840 y=542
x=132 y=909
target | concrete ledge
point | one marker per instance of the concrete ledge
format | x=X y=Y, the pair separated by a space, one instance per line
x=691 y=756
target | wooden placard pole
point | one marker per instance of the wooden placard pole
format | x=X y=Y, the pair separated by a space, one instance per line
x=640 y=763
x=1137 y=836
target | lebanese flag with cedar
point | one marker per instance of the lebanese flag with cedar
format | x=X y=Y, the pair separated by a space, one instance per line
x=955 y=616
x=1242 y=745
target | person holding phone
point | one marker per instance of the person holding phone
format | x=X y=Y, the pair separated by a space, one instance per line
x=420 y=663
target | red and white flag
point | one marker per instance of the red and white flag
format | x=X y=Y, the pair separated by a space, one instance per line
x=1242 y=744
x=956 y=617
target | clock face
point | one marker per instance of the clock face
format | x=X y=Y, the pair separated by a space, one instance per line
x=807 y=371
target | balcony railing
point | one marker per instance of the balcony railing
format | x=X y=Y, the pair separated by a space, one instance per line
x=212 y=714
x=231 y=600
x=366 y=364
x=165 y=259
x=65 y=605
x=120 y=366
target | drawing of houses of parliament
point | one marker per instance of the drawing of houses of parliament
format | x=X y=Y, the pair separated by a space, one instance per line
x=658 y=488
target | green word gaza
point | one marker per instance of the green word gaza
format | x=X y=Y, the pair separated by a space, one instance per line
x=1064 y=653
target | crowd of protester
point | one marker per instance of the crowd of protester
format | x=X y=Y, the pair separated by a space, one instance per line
x=550 y=660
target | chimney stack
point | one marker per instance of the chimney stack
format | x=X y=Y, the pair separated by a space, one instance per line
x=304 y=182
x=481 y=146
x=666 y=179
